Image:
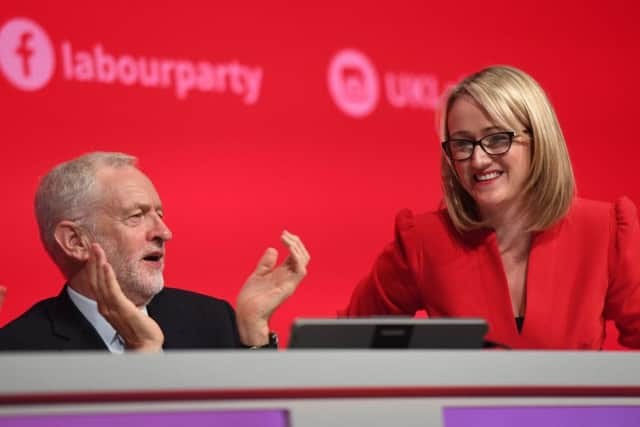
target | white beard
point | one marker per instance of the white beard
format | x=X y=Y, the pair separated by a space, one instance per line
x=137 y=281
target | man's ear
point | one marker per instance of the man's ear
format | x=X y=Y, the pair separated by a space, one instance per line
x=72 y=240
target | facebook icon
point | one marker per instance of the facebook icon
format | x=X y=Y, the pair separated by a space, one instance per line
x=25 y=52
x=26 y=55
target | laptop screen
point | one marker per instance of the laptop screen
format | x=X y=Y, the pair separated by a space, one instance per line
x=388 y=332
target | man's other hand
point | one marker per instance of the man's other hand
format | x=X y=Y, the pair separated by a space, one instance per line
x=267 y=288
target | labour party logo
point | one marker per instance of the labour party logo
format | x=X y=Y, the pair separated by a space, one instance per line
x=353 y=83
x=26 y=54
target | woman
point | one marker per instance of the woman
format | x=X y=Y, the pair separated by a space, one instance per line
x=512 y=244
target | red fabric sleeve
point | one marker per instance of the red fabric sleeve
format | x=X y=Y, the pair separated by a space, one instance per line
x=623 y=296
x=391 y=286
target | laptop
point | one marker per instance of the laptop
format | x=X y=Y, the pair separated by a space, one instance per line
x=388 y=333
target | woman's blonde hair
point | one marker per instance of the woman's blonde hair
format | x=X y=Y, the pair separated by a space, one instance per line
x=513 y=100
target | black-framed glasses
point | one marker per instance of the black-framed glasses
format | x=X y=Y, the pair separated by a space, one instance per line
x=495 y=144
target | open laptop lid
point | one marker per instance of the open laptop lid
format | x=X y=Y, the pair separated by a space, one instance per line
x=388 y=332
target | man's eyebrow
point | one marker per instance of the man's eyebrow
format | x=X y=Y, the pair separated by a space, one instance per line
x=136 y=206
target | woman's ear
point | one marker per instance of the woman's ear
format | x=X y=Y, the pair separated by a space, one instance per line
x=72 y=240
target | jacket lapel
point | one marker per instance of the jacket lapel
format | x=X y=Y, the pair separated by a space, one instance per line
x=539 y=320
x=170 y=318
x=71 y=327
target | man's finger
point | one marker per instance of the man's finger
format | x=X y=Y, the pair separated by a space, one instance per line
x=113 y=287
x=295 y=241
x=107 y=285
x=306 y=252
x=299 y=253
x=295 y=265
x=102 y=293
x=296 y=258
x=267 y=262
x=91 y=269
x=97 y=253
x=119 y=311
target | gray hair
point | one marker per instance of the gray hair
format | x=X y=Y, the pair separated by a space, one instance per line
x=67 y=193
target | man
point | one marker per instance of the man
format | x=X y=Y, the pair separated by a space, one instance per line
x=101 y=221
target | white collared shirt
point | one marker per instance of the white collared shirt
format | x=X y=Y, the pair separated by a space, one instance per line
x=89 y=309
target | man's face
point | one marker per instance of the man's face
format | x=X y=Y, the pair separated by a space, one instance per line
x=129 y=227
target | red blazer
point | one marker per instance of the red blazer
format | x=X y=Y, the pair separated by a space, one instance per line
x=582 y=271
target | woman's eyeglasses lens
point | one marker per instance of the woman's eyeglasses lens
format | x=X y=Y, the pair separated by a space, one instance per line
x=494 y=144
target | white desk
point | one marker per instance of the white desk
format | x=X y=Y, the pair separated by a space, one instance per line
x=318 y=388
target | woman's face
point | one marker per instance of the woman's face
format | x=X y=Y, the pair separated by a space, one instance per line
x=495 y=182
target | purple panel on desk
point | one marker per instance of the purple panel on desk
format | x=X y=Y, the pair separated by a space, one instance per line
x=234 y=418
x=556 y=416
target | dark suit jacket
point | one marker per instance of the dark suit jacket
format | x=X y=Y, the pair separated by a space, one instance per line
x=187 y=319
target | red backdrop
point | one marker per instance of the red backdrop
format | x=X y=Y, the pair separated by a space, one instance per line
x=244 y=136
